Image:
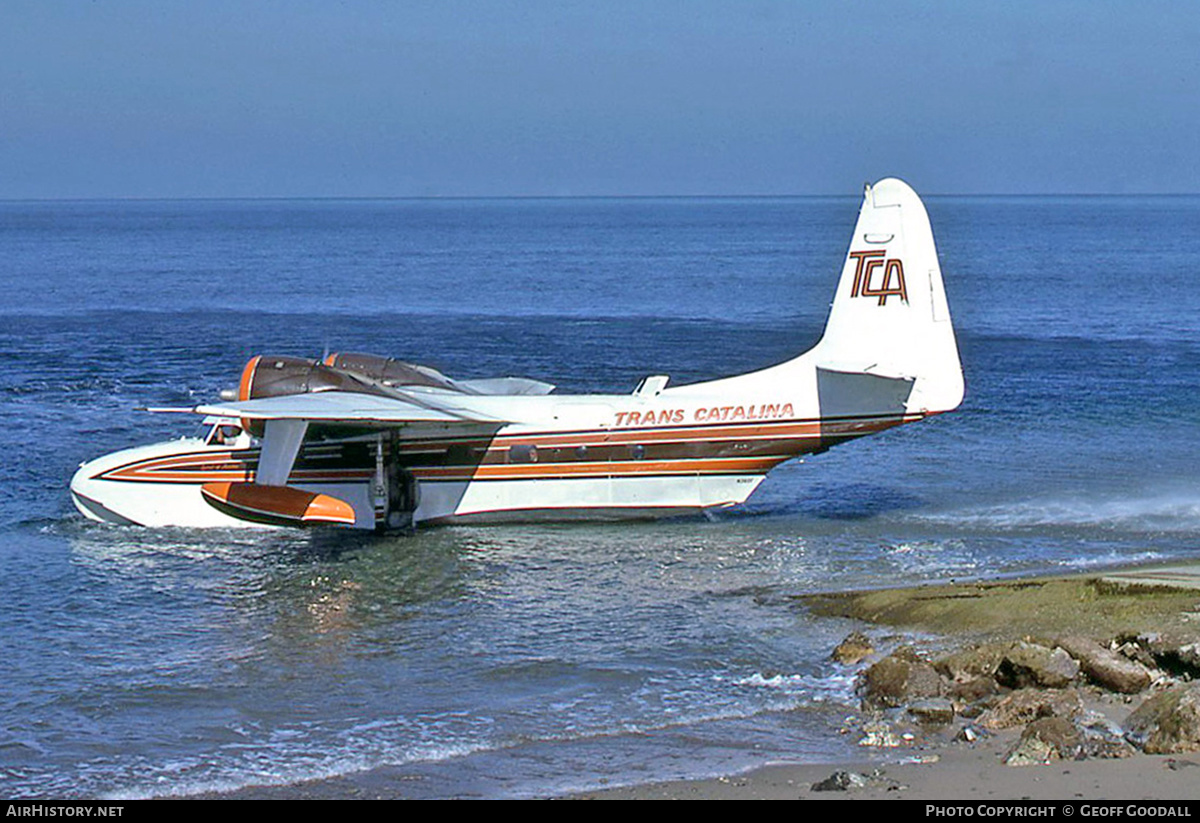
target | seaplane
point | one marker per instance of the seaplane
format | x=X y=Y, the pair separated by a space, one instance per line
x=370 y=442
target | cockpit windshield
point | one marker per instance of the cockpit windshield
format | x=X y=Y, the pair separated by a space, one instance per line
x=224 y=434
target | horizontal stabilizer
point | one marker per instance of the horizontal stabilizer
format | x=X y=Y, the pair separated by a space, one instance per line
x=875 y=367
x=843 y=394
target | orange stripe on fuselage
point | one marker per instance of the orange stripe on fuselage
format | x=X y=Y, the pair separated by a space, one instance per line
x=792 y=437
x=622 y=468
x=682 y=434
x=222 y=466
x=792 y=429
x=795 y=432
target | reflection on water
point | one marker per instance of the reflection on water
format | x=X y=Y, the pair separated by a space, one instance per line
x=265 y=656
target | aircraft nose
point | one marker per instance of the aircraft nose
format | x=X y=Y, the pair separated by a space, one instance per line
x=82 y=475
x=90 y=495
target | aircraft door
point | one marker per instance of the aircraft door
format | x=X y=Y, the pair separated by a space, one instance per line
x=401 y=498
x=399 y=489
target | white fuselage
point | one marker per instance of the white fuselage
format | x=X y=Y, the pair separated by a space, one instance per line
x=580 y=457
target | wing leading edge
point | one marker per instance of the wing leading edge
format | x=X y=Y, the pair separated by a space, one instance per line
x=350 y=407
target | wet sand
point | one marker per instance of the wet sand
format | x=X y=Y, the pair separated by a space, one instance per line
x=966 y=773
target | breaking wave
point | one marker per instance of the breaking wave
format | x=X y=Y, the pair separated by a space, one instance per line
x=1171 y=513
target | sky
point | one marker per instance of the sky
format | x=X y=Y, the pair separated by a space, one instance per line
x=208 y=98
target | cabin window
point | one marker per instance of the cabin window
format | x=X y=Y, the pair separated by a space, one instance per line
x=638 y=451
x=523 y=454
x=581 y=452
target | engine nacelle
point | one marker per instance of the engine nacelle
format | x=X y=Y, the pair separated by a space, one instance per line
x=389 y=371
x=273 y=376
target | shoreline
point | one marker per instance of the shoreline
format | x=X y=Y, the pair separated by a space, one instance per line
x=934 y=765
x=928 y=763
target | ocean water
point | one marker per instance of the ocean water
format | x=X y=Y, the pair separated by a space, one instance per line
x=523 y=661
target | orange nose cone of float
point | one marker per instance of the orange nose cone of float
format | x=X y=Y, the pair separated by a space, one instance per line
x=325 y=508
x=279 y=505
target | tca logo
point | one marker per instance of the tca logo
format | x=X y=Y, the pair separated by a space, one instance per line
x=891 y=282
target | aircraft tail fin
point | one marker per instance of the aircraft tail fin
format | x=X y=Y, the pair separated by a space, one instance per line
x=890 y=318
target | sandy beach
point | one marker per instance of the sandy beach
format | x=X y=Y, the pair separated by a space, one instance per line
x=968 y=773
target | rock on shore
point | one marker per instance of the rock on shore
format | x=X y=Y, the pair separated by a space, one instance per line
x=1084 y=669
x=1169 y=722
x=1040 y=687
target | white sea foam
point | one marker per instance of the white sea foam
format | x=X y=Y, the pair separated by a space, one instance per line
x=1167 y=512
x=933 y=557
x=803 y=687
x=1109 y=559
x=260 y=769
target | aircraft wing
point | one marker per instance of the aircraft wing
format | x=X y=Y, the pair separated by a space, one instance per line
x=286 y=419
x=352 y=407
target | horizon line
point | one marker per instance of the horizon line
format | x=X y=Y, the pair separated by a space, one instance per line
x=465 y=197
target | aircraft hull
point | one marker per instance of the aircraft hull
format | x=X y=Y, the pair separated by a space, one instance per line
x=161 y=485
